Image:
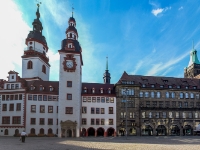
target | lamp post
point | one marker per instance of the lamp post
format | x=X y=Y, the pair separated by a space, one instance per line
x=126 y=93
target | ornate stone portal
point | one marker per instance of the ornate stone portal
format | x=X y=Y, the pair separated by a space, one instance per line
x=68 y=128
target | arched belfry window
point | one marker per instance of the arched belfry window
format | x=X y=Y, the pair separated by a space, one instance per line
x=43 y=69
x=30 y=65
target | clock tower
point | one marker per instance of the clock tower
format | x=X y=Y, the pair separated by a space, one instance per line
x=70 y=82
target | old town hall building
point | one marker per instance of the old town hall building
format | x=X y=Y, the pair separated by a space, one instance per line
x=135 y=105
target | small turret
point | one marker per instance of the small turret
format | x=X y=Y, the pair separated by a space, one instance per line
x=106 y=75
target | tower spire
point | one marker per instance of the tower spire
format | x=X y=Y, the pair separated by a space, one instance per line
x=107 y=63
x=38 y=12
x=72 y=10
x=192 y=44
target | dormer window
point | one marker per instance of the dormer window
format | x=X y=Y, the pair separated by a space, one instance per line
x=101 y=90
x=178 y=86
x=32 y=87
x=41 y=88
x=12 y=86
x=161 y=86
x=12 y=77
x=93 y=90
x=194 y=87
x=85 y=90
x=170 y=86
x=50 y=88
x=165 y=81
x=16 y=86
x=8 y=86
x=143 y=85
x=186 y=87
x=152 y=85
x=109 y=91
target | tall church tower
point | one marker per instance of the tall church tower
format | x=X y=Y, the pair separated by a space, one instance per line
x=106 y=75
x=35 y=63
x=193 y=68
x=70 y=83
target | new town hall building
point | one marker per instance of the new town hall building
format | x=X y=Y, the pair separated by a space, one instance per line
x=146 y=105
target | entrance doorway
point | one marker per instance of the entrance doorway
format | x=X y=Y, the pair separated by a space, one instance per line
x=100 y=132
x=122 y=131
x=161 y=130
x=175 y=130
x=91 y=132
x=69 y=133
x=187 y=130
x=147 y=130
x=83 y=132
x=110 y=132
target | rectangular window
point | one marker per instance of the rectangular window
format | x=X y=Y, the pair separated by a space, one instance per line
x=154 y=103
x=160 y=103
x=92 y=121
x=11 y=97
x=167 y=104
x=184 y=116
x=196 y=115
x=69 y=83
x=147 y=103
x=94 y=99
x=89 y=99
x=102 y=111
x=84 y=99
x=84 y=110
x=50 y=109
x=11 y=107
x=98 y=99
x=18 y=107
x=12 y=86
x=39 y=97
x=173 y=104
x=102 y=121
x=186 y=104
x=41 y=121
x=4 y=108
x=69 y=110
x=20 y=96
x=84 y=121
x=33 y=108
x=177 y=114
x=107 y=99
x=3 y=97
x=102 y=99
x=191 y=104
x=179 y=104
x=50 y=121
x=92 y=110
x=111 y=100
x=5 y=120
x=110 y=110
x=16 y=86
x=97 y=110
x=44 y=98
x=8 y=86
x=190 y=115
x=42 y=108
x=170 y=114
x=131 y=115
x=33 y=121
x=164 y=114
x=35 y=97
x=97 y=121
x=49 y=98
x=54 y=98
x=110 y=121
x=16 y=97
x=16 y=120
x=69 y=96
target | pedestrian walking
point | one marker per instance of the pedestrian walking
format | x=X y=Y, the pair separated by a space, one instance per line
x=23 y=135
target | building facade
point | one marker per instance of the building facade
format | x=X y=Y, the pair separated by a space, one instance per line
x=135 y=105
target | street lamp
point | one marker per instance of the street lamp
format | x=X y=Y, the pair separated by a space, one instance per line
x=126 y=93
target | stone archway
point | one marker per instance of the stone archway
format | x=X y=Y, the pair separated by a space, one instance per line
x=100 y=132
x=161 y=130
x=110 y=131
x=147 y=130
x=187 y=130
x=174 y=130
x=68 y=128
x=91 y=131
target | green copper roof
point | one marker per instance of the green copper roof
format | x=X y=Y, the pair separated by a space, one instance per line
x=193 y=56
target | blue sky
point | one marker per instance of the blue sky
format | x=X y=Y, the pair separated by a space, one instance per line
x=147 y=37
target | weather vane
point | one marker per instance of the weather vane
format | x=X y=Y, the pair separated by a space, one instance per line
x=72 y=10
x=38 y=3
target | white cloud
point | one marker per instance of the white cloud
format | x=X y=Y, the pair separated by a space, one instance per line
x=13 y=33
x=180 y=8
x=138 y=66
x=158 y=11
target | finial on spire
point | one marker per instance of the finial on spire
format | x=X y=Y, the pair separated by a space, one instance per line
x=38 y=13
x=72 y=10
x=107 y=63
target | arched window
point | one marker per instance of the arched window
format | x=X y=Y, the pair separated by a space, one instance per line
x=49 y=131
x=43 y=69
x=158 y=94
x=41 y=131
x=32 y=131
x=30 y=65
x=70 y=35
x=146 y=94
x=173 y=95
x=141 y=94
x=167 y=94
x=152 y=94
x=6 y=132
x=181 y=95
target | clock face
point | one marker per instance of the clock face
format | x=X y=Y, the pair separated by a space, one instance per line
x=69 y=64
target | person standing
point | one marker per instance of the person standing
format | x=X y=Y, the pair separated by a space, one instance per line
x=23 y=135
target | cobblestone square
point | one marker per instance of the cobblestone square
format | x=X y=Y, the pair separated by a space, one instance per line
x=98 y=143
